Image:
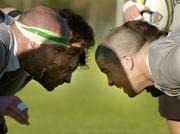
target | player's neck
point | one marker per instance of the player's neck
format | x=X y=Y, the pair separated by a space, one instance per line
x=143 y=66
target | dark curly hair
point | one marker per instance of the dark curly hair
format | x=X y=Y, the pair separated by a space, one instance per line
x=146 y=30
x=81 y=31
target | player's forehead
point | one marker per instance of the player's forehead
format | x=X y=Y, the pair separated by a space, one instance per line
x=104 y=64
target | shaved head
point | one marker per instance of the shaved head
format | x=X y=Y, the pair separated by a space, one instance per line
x=128 y=38
x=122 y=56
x=45 y=18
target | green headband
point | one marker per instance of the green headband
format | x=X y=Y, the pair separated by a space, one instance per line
x=41 y=36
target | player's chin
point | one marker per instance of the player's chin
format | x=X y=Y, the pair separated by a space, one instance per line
x=49 y=88
x=131 y=94
x=49 y=85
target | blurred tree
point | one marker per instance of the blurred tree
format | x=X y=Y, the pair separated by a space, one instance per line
x=19 y=4
x=99 y=13
x=96 y=11
x=27 y=4
x=54 y=3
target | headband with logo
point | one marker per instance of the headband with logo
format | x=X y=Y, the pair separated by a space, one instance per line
x=41 y=36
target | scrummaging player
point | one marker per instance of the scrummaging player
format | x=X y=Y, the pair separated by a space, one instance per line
x=135 y=56
x=62 y=61
x=160 y=13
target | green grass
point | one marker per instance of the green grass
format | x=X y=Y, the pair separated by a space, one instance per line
x=88 y=106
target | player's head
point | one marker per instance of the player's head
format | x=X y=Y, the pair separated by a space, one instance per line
x=80 y=31
x=50 y=59
x=82 y=38
x=116 y=55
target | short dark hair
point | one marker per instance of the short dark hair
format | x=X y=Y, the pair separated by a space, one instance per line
x=107 y=52
x=130 y=37
x=81 y=31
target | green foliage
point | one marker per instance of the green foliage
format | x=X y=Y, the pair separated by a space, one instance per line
x=90 y=9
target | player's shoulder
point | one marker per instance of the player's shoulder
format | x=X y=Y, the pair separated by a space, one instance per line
x=5 y=37
x=3 y=54
x=5 y=31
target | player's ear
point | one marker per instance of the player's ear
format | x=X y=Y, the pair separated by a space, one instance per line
x=127 y=62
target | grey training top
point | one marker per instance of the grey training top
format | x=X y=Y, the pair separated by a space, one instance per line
x=164 y=63
x=12 y=77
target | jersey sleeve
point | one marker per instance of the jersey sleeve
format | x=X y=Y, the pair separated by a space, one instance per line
x=164 y=61
x=4 y=44
x=2 y=56
x=173 y=58
x=172 y=66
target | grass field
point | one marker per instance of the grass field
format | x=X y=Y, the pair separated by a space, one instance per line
x=88 y=106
